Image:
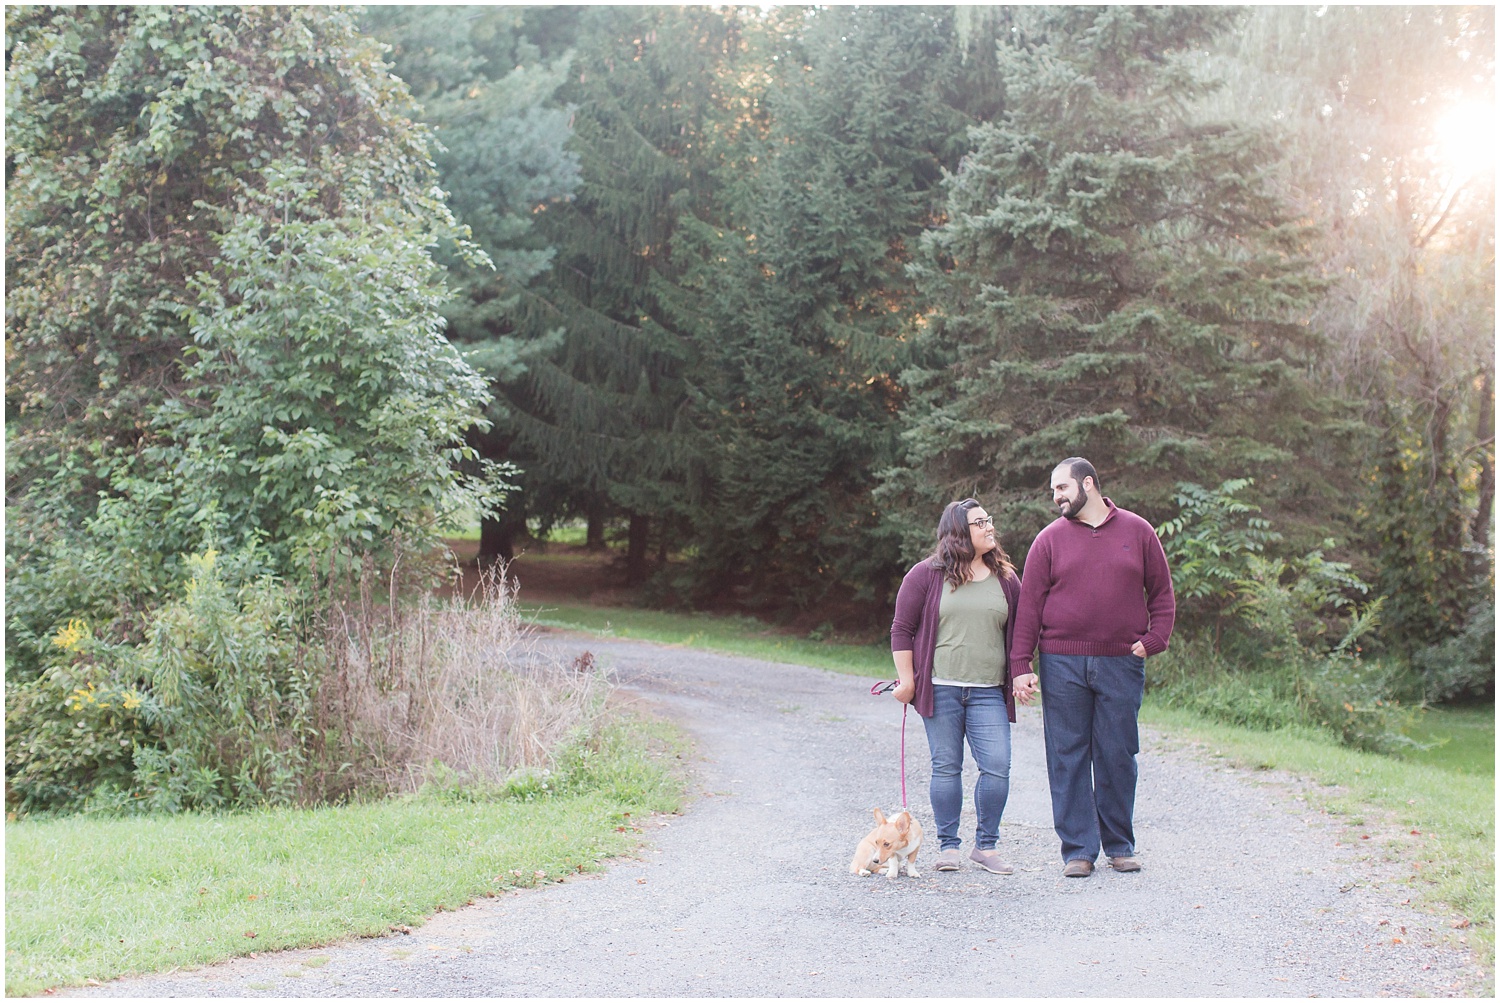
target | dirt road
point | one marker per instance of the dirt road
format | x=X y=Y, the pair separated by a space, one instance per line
x=1246 y=891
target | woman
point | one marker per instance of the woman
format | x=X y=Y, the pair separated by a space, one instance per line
x=950 y=640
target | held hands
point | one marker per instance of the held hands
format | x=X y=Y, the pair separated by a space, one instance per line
x=1025 y=688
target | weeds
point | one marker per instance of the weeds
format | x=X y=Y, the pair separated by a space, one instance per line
x=451 y=692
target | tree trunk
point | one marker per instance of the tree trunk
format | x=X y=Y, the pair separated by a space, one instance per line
x=635 y=554
x=497 y=540
x=595 y=538
x=1484 y=433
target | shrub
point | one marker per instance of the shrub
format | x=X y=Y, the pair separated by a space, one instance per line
x=236 y=687
x=1209 y=545
x=77 y=725
x=1462 y=666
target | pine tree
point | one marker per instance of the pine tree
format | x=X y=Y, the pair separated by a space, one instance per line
x=1115 y=278
x=596 y=418
x=800 y=289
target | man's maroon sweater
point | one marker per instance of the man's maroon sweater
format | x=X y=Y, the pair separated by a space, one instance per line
x=1094 y=590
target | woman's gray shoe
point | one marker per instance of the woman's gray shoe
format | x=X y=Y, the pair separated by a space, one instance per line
x=948 y=860
x=990 y=861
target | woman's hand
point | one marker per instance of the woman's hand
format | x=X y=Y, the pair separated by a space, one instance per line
x=1025 y=688
x=906 y=677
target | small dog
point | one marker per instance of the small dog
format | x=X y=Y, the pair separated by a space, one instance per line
x=890 y=844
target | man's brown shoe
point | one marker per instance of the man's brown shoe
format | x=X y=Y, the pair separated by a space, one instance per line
x=1078 y=868
x=1125 y=865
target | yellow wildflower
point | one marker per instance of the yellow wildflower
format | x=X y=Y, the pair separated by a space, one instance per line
x=132 y=700
x=71 y=636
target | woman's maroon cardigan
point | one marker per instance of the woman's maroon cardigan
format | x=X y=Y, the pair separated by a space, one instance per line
x=914 y=629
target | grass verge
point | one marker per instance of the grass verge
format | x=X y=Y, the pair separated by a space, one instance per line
x=1451 y=856
x=97 y=898
x=1458 y=738
x=712 y=632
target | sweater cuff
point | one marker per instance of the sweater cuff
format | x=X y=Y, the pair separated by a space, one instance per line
x=1020 y=667
x=1153 y=644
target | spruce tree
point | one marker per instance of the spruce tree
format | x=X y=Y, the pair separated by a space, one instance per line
x=802 y=299
x=596 y=418
x=1115 y=278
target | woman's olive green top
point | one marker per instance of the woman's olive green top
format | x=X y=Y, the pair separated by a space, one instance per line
x=971 y=635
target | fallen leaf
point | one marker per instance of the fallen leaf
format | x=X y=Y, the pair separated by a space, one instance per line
x=251 y=898
x=640 y=881
x=1416 y=832
x=251 y=934
x=1460 y=924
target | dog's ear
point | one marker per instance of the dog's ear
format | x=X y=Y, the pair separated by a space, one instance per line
x=903 y=823
x=879 y=817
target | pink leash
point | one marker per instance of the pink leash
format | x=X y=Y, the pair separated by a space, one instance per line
x=877 y=690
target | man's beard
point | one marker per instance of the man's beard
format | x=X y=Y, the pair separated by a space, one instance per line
x=1071 y=507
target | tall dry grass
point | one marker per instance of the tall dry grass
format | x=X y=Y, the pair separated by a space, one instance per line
x=461 y=682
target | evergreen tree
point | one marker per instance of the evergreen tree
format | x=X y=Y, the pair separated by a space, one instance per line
x=488 y=79
x=802 y=298
x=596 y=418
x=1115 y=278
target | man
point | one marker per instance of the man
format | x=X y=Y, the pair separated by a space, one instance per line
x=1097 y=595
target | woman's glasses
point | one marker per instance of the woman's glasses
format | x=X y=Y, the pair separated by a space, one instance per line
x=988 y=522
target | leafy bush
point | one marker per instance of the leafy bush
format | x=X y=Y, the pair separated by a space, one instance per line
x=236 y=687
x=1463 y=665
x=1303 y=677
x=1209 y=545
x=77 y=725
x=210 y=710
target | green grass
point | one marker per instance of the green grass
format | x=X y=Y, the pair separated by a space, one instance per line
x=1451 y=861
x=89 y=897
x=729 y=634
x=1463 y=739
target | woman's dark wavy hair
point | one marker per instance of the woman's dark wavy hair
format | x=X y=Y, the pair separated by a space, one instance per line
x=955 y=551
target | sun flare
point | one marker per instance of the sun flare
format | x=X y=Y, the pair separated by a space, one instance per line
x=1465 y=137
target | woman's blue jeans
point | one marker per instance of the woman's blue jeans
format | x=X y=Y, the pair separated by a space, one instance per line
x=975 y=713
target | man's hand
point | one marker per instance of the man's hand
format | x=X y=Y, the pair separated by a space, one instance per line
x=904 y=692
x=1025 y=688
x=1138 y=649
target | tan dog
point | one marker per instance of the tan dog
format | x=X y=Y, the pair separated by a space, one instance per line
x=890 y=844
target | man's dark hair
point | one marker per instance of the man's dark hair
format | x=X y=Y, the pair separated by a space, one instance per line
x=1079 y=468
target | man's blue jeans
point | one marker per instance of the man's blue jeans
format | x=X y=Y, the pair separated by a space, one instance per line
x=976 y=713
x=1090 y=705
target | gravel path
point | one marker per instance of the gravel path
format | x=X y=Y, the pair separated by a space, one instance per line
x=1246 y=891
